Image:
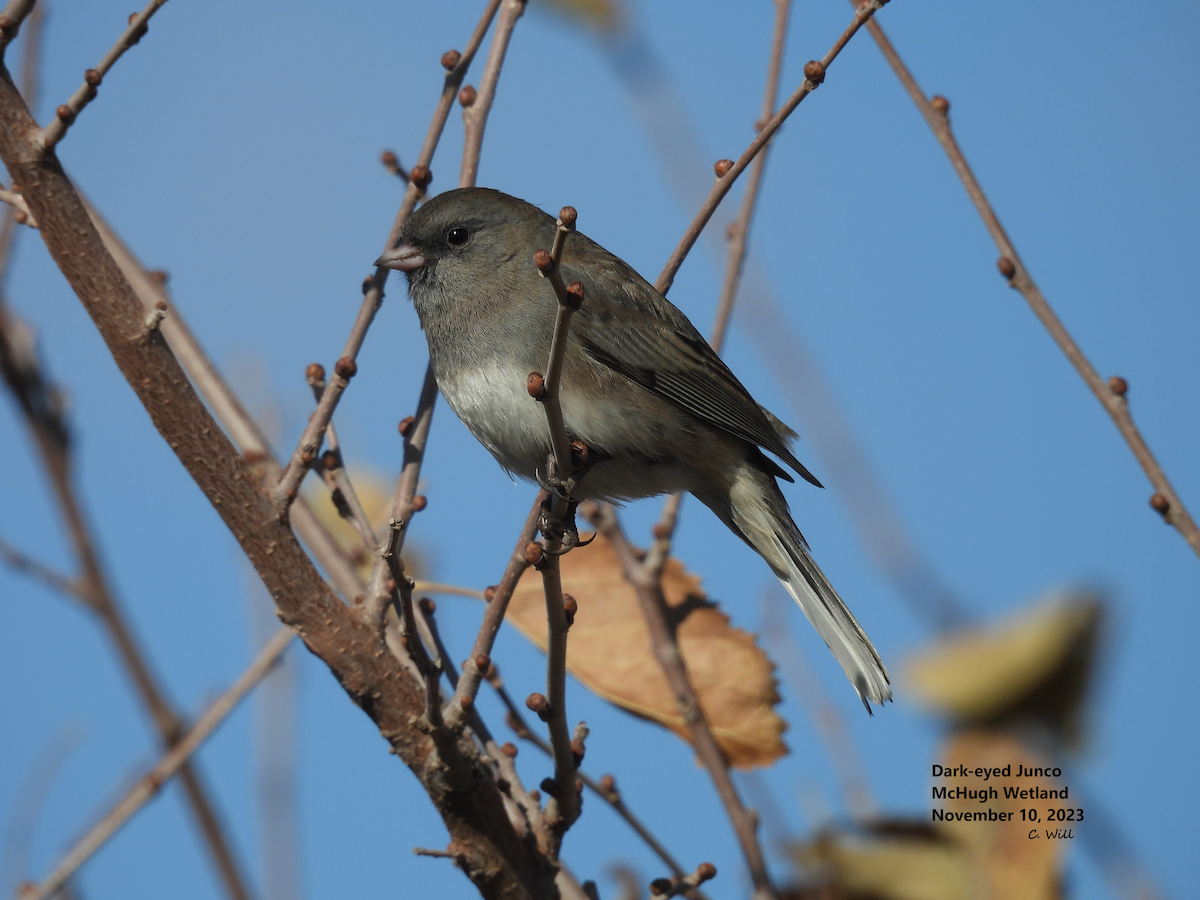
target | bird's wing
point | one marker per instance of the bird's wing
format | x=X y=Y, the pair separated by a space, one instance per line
x=664 y=353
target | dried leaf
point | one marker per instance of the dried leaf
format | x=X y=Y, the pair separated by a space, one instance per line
x=915 y=863
x=1034 y=666
x=608 y=649
x=1015 y=865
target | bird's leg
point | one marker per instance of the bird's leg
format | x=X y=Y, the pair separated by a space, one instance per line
x=557 y=518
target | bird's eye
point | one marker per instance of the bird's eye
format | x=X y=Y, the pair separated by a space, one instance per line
x=458 y=236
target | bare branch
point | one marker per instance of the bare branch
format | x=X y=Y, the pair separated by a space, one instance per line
x=419 y=178
x=814 y=73
x=475 y=669
x=65 y=115
x=39 y=402
x=671 y=887
x=11 y=17
x=503 y=758
x=496 y=860
x=664 y=529
x=741 y=225
x=225 y=405
x=1111 y=394
x=333 y=472
x=27 y=565
x=648 y=587
x=475 y=114
x=605 y=788
x=171 y=763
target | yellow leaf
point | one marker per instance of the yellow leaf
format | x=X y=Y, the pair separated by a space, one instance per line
x=608 y=649
x=1034 y=666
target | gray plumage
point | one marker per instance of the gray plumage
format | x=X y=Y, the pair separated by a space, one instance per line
x=640 y=387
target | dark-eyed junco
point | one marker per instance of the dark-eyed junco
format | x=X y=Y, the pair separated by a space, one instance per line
x=657 y=408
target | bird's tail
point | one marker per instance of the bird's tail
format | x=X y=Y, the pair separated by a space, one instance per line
x=759 y=513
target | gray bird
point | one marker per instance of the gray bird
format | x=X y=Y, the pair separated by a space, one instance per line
x=657 y=408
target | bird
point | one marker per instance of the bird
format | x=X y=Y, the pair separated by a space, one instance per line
x=656 y=407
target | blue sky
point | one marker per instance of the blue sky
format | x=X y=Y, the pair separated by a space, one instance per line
x=237 y=147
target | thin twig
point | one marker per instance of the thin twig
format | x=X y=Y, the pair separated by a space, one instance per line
x=39 y=402
x=17 y=202
x=605 y=788
x=419 y=178
x=52 y=579
x=434 y=587
x=430 y=672
x=415 y=433
x=243 y=430
x=415 y=429
x=475 y=669
x=648 y=588
x=11 y=17
x=171 y=763
x=333 y=472
x=569 y=299
x=1111 y=394
x=814 y=73
x=65 y=115
x=475 y=115
x=741 y=226
x=664 y=530
x=503 y=758
x=564 y=805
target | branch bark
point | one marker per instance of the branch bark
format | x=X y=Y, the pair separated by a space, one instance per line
x=1111 y=394
x=488 y=849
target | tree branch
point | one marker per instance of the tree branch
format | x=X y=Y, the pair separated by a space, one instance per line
x=172 y=763
x=65 y=115
x=648 y=587
x=493 y=856
x=814 y=75
x=39 y=402
x=1111 y=394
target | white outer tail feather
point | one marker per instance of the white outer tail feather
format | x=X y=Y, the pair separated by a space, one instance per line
x=763 y=519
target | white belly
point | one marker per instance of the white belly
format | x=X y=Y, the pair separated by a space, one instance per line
x=494 y=404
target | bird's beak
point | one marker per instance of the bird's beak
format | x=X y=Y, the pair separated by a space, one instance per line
x=403 y=257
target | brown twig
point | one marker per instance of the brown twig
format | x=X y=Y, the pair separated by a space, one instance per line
x=564 y=806
x=335 y=476
x=65 y=115
x=569 y=299
x=21 y=213
x=475 y=114
x=27 y=565
x=39 y=403
x=741 y=225
x=475 y=669
x=1111 y=394
x=497 y=861
x=671 y=887
x=171 y=764
x=419 y=178
x=664 y=529
x=431 y=672
x=416 y=432
x=814 y=74
x=648 y=587
x=11 y=17
x=605 y=788
x=225 y=405
x=503 y=758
